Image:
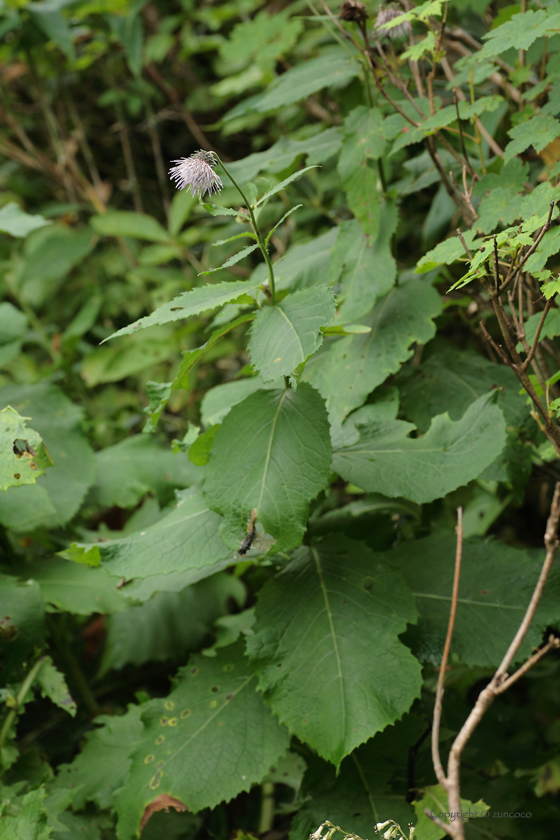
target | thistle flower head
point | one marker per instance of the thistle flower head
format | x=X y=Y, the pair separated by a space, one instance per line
x=197 y=173
x=384 y=16
x=353 y=10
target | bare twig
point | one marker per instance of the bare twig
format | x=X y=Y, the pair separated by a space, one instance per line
x=536 y=339
x=441 y=679
x=459 y=123
x=499 y=682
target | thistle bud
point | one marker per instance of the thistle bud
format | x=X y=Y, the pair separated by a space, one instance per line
x=386 y=15
x=353 y=10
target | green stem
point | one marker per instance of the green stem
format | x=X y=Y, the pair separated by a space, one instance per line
x=266 y=817
x=262 y=246
x=25 y=686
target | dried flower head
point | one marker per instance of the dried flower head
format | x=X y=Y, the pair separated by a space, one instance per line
x=353 y=10
x=383 y=18
x=197 y=172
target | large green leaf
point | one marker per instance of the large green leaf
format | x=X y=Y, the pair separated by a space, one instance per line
x=363 y=273
x=169 y=625
x=58 y=494
x=360 y=793
x=363 y=142
x=218 y=401
x=23 y=457
x=386 y=460
x=76 y=588
x=271 y=453
x=185 y=539
x=49 y=253
x=190 y=303
x=16 y=222
x=285 y=335
x=334 y=68
x=138 y=465
x=326 y=646
x=114 y=362
x=318 y=149
x=102 y=766
x=449 y=380
x=497 y=582
x=521 y=31
x=22 y=622
x=305 y=265
x=135 y=225
x=537 y=132
x=210 y=739
x=347 y=370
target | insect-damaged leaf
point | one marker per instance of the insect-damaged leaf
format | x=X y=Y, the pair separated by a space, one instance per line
x=326 y=646
x=58 y=494
x=272 y=453
x=210 y=739
x=23 y=456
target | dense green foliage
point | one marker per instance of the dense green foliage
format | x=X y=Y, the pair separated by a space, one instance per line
x=242 y=426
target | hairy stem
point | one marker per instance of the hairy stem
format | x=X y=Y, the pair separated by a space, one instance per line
x=262 y=246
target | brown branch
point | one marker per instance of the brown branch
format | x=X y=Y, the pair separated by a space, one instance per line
x=464 y=244
x=459 y=123
x=552 y=644
x=500 y=679
x=498 y=348
x=439 y=692
x=536 y=339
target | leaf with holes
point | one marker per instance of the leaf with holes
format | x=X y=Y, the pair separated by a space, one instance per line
x=58 y=494
x=210 y=739
x=285 y=335
x=23 y=456
x=272 y=453
x=326 y=646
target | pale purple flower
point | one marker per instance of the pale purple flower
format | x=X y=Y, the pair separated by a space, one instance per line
x=384 y=16
x=197 y=173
